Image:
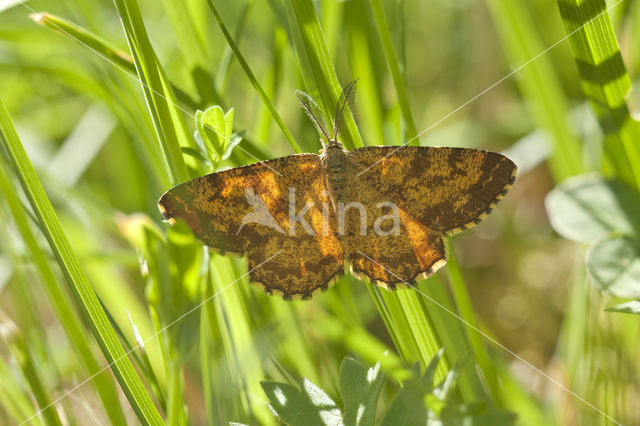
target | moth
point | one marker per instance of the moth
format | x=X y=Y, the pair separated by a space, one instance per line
x=383 y=210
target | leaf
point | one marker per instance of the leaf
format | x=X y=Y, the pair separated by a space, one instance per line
x=407 y=407
x=309 y=406
x=605 y=82
x=478 y=414
x=75 y=277
x=236 y=138
x=614 y=265
x=228 y=123
x=360 y=389
x=587 y=207
x=214 y=131
x=196 y=153
x=175 y=273
x=211 y=126
x=632 y=307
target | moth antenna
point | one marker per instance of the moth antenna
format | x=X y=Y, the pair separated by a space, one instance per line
x=344 y=106
x=313 y=112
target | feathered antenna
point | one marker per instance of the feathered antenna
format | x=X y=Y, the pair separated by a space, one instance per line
x=344 y=107
x=313 y=111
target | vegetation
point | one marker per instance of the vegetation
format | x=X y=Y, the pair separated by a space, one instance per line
x=109 y=315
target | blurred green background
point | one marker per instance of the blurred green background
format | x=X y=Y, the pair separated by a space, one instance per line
x=495 y=74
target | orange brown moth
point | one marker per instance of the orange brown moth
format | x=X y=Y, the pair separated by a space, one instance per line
x=382 y=209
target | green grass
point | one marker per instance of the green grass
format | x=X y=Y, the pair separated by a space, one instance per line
x=90 y=277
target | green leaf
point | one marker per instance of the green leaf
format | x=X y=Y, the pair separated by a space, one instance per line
x=407 y=407
x=538 y=80
x=211 y=127
x=605 y=82
x=318 y=72
x=360 y=388
x=174 y=284
x=478 y=414
x=632 y=307
x=614 y=265
x=254 y=81
x=62 y=305
x=236 y=138
x=307 y=406
x=75 y=276
x=587 y=207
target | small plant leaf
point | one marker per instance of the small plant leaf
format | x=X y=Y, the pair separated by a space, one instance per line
x=214 y=128
x=587 y=207
x=236 y=138
x=408 y=407
x=360 y=389
x=307 y=406
x=614 y=264
x=632 y=307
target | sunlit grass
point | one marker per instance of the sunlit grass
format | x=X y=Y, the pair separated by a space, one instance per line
x=88 y=271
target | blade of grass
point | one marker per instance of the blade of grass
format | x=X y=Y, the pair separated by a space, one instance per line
x=273 y=82
x=453 y=338
x=538 y=83
x=75 y=277
x=231 y=316
x=99 y=45
x=224 y=66
x=15 y=401
x=20 y=350
x=465 y=309
x=166 y=119
x=391 y=58
x=605 y=82
x=317 y=68
x=252 y=78
x=362 y=53
x=64 y=310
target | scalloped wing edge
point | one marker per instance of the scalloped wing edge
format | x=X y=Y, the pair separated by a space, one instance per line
x=486 y=212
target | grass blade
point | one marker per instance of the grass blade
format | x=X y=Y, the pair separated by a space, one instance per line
x=63 y=309
x=539 y=83
x=605 y=81
x=254 y=81
x=317 y=67
x=160 y=100
x=75 y=276
x=393 y=64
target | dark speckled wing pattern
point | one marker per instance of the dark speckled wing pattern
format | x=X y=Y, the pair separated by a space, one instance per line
x=214 y=207
x=436 y=192
x=446 y=189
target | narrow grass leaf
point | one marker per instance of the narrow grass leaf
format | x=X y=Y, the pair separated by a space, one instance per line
x=476 y=342
x=605 y=82
x=166 y=119
x=538 y=83
x=63 y=307
x=20 y=350
x=393 y=64
x=254 y=81
x=100 y=46
x=318 y=72
x=75 y=276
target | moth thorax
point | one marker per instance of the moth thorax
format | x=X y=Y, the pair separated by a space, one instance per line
x=336 y=162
